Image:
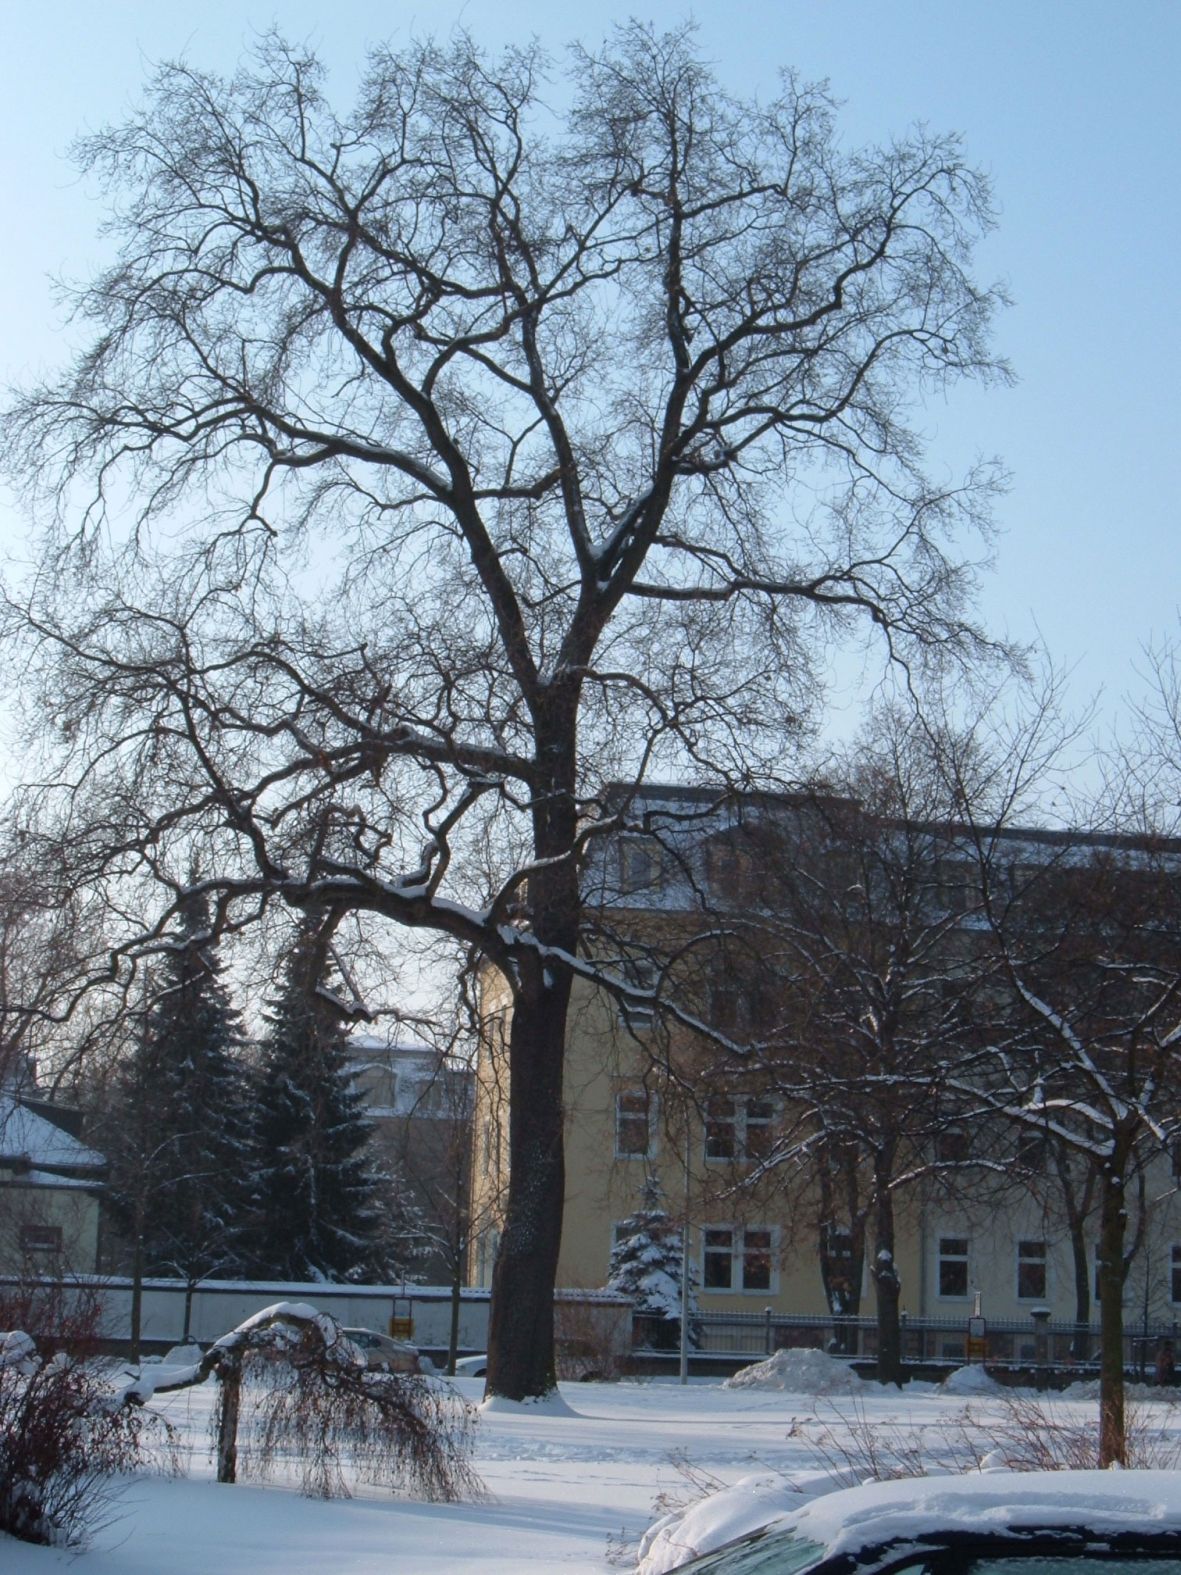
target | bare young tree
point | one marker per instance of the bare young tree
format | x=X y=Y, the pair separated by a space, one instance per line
x=467 y=455
x=879 y=979
x=1084 y=1049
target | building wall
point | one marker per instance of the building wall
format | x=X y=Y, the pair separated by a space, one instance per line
x=420 y=1105
x=1016 y=1250
x=47 y=1228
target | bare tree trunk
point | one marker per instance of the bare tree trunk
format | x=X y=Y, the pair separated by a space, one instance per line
x=1112 y=1225
x=521 y=1326
x=229 y=1376
x=453 y=1330
x=889 y=1290
x=137 y=1280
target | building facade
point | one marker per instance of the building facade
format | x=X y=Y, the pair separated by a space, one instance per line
x=740 y=932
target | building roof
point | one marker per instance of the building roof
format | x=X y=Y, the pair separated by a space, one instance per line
x=30 y=1142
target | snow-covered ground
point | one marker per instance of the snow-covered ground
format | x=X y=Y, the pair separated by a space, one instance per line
x=566 y=1485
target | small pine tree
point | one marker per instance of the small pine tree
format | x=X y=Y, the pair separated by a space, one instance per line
x=326 y=1210
x=176 y=1130
x=646 y=1264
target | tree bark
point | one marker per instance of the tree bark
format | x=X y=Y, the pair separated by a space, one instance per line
x=1113 y=1443
x=889 y=1290
x=521 y=1360
x=453 y=1327
x=137 y=1280
x=229 y=1377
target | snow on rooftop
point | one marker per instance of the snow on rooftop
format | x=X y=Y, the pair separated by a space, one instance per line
x=28 y=1137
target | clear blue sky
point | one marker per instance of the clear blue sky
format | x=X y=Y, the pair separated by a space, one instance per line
x=1072 y=106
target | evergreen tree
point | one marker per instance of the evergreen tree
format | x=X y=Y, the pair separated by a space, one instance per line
x=176 y=1129
x=646 y=1264
x=326 y=1210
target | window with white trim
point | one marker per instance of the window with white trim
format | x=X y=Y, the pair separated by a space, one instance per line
x=738 y=1258
x=635 y=1124
x=952 y=1267
x=738 y=1129
x=1031 y=1271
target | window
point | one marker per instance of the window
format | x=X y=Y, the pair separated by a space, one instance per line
x=739 y=1128
x=721 y=1128
x=758 y=1128
x=953 y=1266
x=1031 y=1270
x=41 y=1238
x=1175 y=1286
x=1031 y=1153
x=635 y=1124
x=737 y=1258
x=951 y=1146
x=642 y=863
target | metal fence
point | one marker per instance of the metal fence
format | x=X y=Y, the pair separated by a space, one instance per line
x=1020 y=1342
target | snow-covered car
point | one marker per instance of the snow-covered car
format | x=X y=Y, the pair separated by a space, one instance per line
x=385 y=1354
x=983 y=1523
x=471 y=1366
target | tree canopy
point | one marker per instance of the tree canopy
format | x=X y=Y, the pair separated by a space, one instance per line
x=461 y=455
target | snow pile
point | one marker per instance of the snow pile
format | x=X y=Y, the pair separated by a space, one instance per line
x=806 y=1372
x=18 y=1350
x=551 y=1404
x=970 y=1381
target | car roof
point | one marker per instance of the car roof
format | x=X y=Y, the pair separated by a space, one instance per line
x=1109 y=1503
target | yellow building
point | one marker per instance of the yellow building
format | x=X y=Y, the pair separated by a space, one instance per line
x=644 y=1098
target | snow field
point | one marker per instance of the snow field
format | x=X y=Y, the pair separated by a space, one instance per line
x=566 y=1484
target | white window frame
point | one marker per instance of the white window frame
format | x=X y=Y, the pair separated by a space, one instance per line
x=649 y=1114
x=741 y=1125
x=1023 y=1258
x=737 y=1255
x=942 y=1257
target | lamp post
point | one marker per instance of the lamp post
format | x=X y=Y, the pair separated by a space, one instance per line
x=683 y=1355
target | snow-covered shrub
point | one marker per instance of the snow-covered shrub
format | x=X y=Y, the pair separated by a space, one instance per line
x=310 y=1394
x=1037 y=1434
x=64 y=1436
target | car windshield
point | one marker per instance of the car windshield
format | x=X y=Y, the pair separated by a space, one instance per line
x=781 y=1553
x=777 y=1554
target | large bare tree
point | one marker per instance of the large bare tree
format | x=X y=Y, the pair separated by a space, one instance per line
x=460 y=453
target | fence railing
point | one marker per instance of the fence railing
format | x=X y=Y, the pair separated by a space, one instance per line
x=1019 y=1342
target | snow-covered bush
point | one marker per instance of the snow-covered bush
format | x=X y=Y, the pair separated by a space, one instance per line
x=64 y=1437
x=310 y=1394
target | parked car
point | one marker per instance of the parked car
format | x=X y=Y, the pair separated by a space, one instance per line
x=982 y=1523
x=385 y=1354
x=471 y=1366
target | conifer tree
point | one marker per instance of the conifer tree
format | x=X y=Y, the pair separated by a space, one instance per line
x=326 y=1210
x=176 y=1128
x=646 y=1264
